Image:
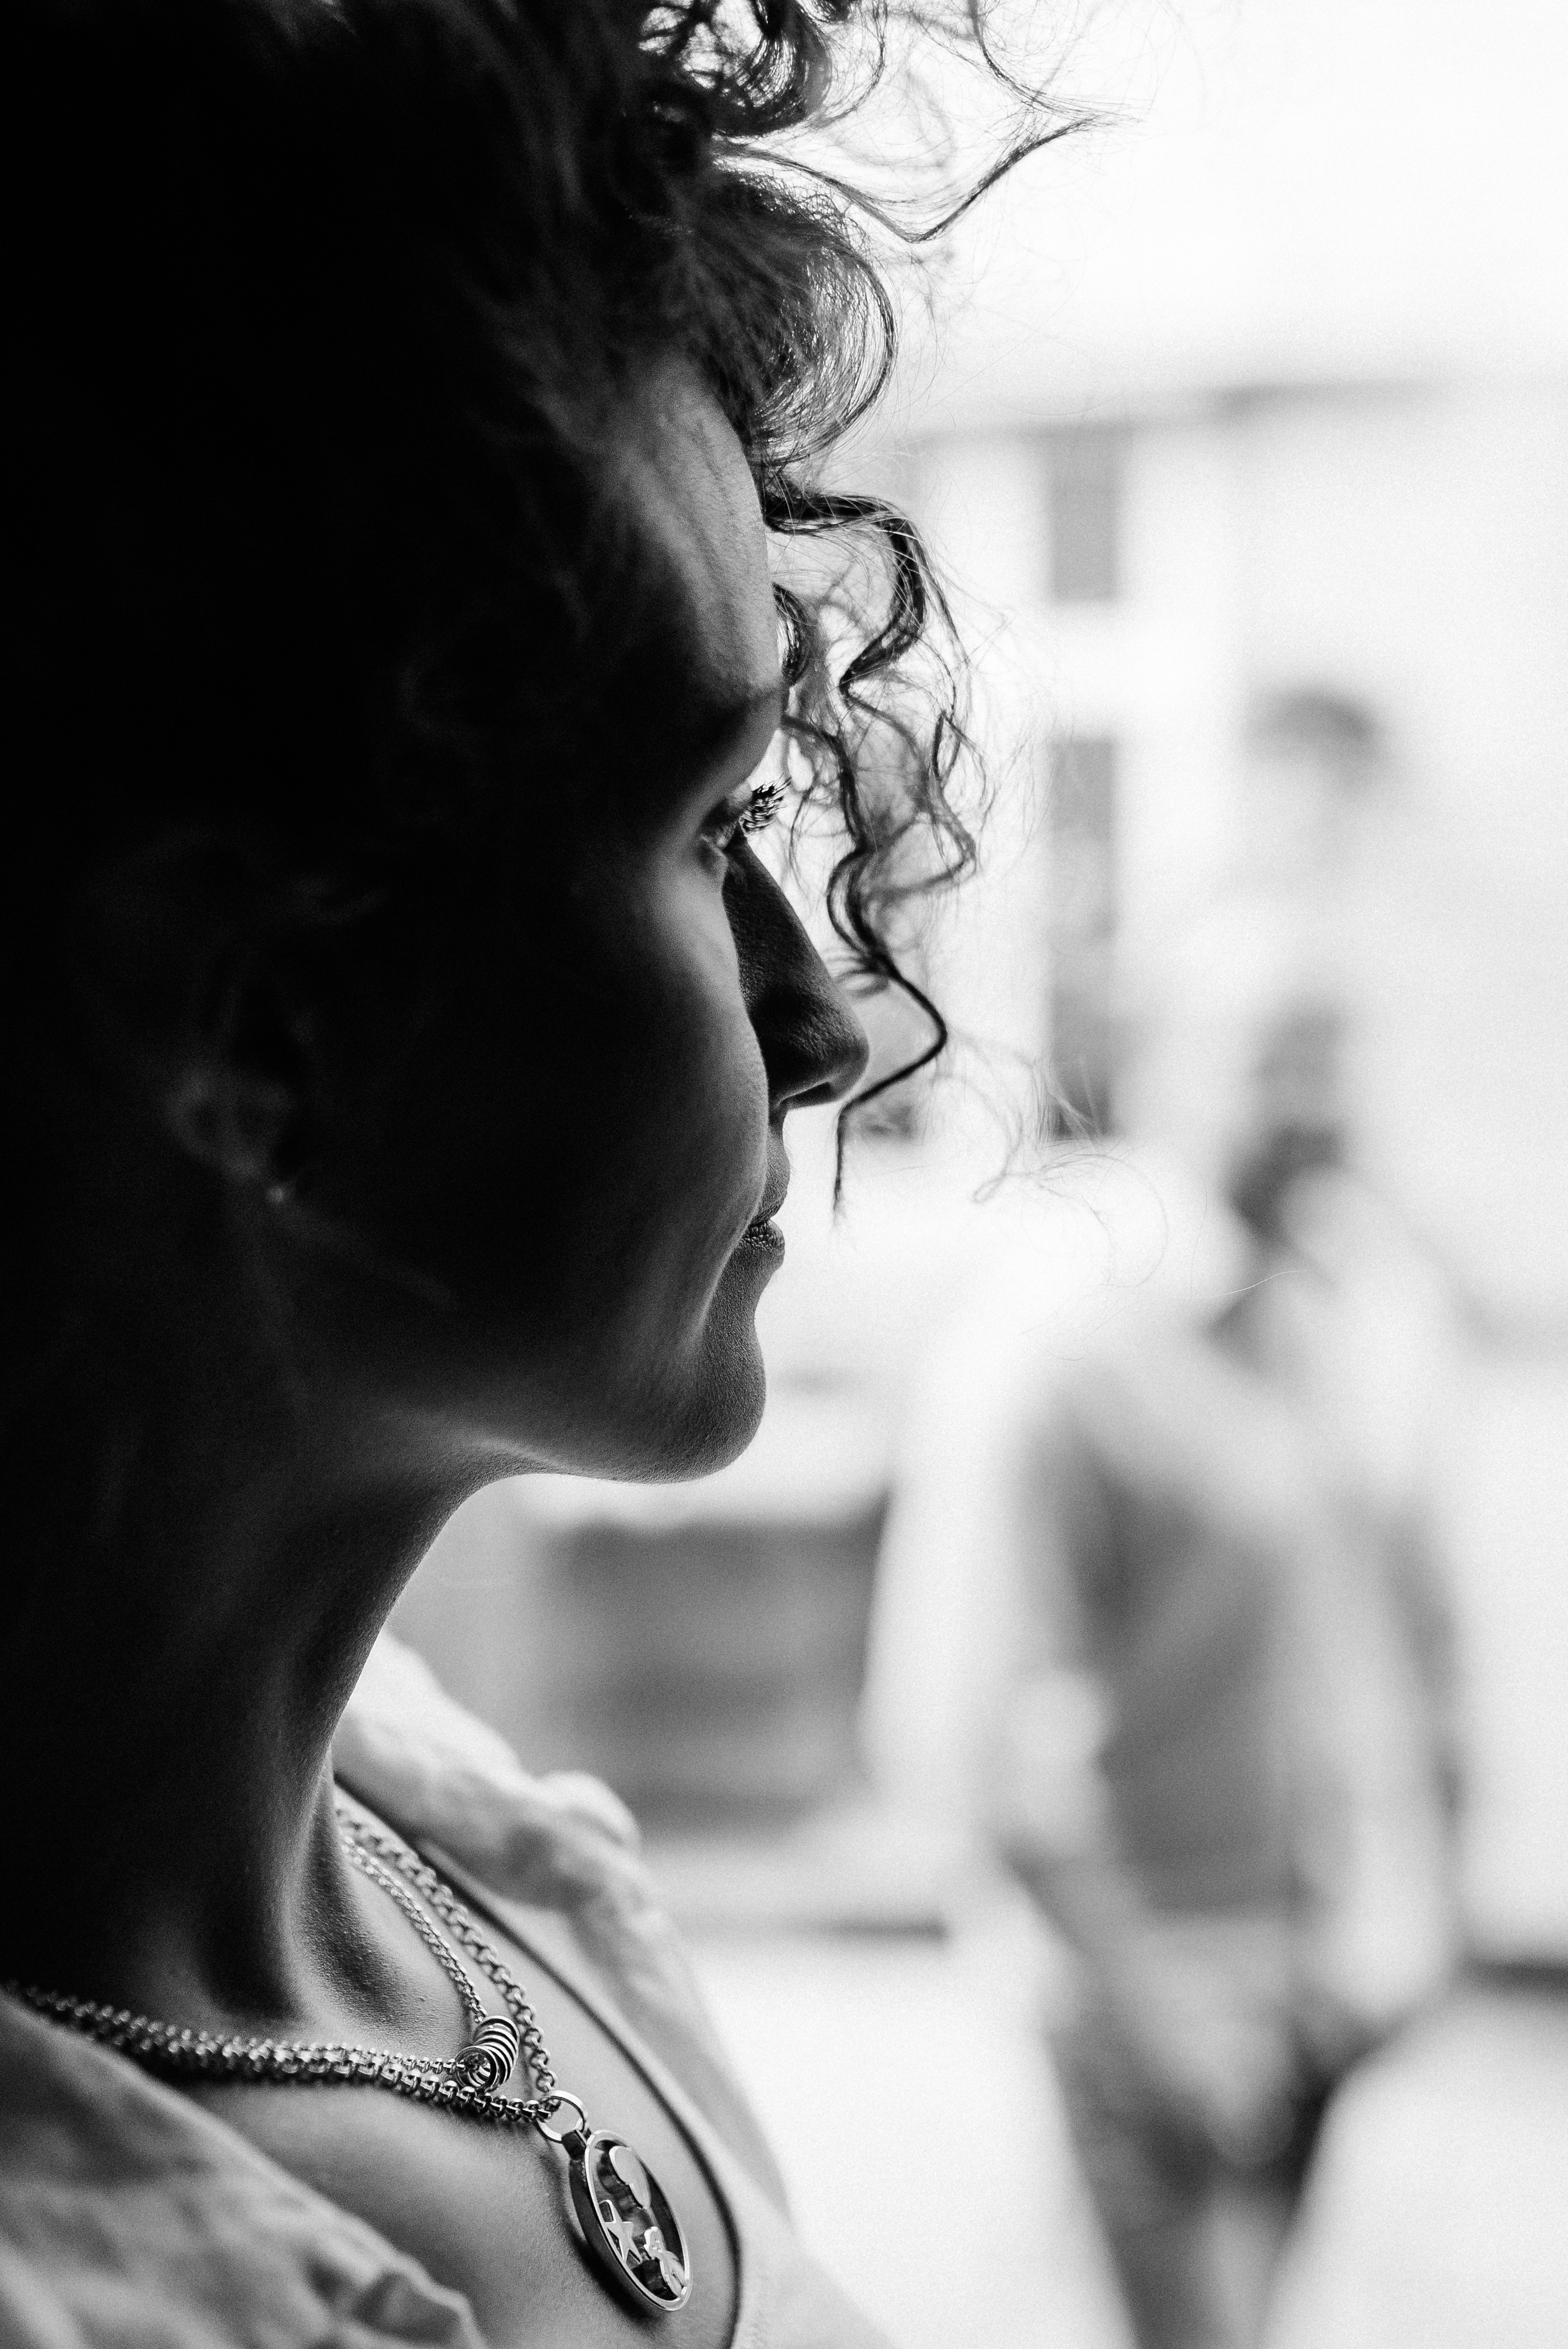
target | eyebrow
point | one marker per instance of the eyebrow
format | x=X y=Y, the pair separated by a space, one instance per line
x=714 y=721
x=718 y=723
x=714 y=726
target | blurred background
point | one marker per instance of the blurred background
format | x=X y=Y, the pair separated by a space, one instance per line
x=1108 y=1735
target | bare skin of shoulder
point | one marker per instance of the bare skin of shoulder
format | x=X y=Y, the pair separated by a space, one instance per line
x=487 y=2211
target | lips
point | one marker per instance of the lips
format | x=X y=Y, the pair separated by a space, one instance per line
x=778 y=1189
x=762 y=1227
x=762 y=1230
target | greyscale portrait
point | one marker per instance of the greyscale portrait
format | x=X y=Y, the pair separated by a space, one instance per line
x=785 y=1310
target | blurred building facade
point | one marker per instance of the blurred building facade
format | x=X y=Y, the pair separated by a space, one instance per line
x=1403 y=546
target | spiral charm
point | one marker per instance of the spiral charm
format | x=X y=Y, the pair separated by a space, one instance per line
x=487 y=2060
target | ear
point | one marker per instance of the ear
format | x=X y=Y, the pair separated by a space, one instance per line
x=233 y=1094
x=241 y=1121
x=188 y=954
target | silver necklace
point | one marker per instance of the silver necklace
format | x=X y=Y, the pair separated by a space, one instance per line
x=631 y=2232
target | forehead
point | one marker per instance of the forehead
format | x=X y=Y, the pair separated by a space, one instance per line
x=690 y=477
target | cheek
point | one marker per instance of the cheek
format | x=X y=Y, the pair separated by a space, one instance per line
x=565 y=1159
x=690 y=1106
x=573 y=1146
x=639 y=1130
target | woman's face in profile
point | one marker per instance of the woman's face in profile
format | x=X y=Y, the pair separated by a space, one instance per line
x=551 y=1194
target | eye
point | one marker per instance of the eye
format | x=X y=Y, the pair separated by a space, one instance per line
x=750 y=809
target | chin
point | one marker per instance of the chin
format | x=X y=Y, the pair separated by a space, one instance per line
x=713 y=1423
x=666 y=1412
x=705 y=1407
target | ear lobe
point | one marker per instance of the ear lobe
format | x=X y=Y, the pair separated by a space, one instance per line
x=239 y=1122
x=183 y=952
x=234 y=1098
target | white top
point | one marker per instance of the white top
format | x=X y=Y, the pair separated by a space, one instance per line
x=130 y=2217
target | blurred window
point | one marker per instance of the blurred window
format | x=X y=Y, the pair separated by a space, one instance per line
x=1083 y=537
x=1081 y=913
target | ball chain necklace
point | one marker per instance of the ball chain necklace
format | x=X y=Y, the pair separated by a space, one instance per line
x=636 y=2241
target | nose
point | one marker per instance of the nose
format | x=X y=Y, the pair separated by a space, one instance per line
x=814 y=1048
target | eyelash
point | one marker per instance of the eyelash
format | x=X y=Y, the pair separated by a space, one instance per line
x=761 y=807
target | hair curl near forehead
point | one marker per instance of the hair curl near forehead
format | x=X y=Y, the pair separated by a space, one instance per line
x=323 y=334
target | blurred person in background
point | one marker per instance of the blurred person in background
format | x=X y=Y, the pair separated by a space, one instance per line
x=405 y=1030
x=1315 y=756
x=1224 y=1775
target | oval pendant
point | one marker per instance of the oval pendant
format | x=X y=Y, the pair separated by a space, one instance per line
x=627 y=2223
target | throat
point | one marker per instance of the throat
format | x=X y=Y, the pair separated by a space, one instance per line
x=173 y=1697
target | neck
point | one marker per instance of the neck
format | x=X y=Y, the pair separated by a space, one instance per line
x=201 y=1577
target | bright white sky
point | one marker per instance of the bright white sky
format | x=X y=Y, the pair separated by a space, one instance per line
x=1327 y=188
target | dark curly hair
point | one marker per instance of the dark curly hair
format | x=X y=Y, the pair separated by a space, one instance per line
x=327 y=310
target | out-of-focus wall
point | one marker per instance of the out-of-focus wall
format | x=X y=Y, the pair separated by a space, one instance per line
x=1405 y=546
x=1414 y=545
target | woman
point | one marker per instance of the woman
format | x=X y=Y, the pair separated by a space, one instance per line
x=404 y=1030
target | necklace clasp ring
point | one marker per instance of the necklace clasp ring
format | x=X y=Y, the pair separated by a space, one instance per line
x=559 y=2137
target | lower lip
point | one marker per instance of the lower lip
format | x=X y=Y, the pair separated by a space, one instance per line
x=765 y=1237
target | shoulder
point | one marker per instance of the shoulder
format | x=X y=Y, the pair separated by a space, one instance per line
x=561 y=1845
x=129 y=2217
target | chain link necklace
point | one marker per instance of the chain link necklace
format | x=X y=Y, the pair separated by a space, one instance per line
x=628 y=2226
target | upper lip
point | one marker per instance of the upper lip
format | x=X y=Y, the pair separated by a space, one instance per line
x=778 y=1184
x=774 y=1197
